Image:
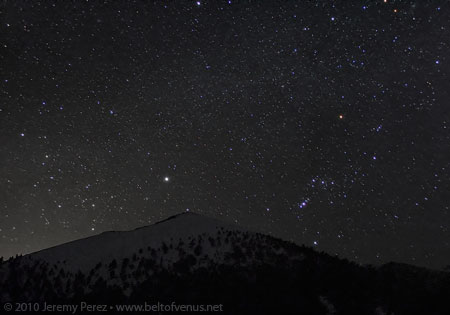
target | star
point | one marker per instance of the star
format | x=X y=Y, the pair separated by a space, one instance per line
x=270 y=145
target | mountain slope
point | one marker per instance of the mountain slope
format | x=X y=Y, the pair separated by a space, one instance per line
x=192 y=259
x=84 y=254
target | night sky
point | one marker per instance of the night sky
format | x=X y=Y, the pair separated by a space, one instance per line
x=322 y=122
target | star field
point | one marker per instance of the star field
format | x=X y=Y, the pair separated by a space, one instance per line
x=321 y=122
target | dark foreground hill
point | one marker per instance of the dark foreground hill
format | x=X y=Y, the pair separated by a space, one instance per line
x=191 y=259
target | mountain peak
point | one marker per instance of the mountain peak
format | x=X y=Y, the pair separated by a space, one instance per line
x=182 y=215
x=82 y=254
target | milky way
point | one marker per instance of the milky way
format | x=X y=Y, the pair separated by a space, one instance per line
x=322 y=122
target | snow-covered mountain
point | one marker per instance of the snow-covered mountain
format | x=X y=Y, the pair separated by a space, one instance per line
x=194 y=259
x=84 y=254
